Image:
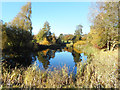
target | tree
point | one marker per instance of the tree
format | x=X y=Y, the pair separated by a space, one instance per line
x=60 y=36
x=14 y=40
x=53 y=38
x=17 y=38
x=17 y=31
x=105 y=23
x=59 y=39
x=23 y=18
x=78 y=30
x=78 y=33
x=47 y=28
x=40 y=36
x=44 y=32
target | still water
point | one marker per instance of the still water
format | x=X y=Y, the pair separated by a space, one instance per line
x=49 y=59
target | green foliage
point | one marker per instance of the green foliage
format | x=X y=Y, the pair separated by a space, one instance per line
x=68 y=37
x=65 y=37
x=40 y=36
x=78 y=33
x=74 y=38
x=15 y=38
x=60 y=36
x=45 y=33
x=53 y=39
x=78 y=30
x=97 y=39
x=59 y=39
x=47 y=27
x=17 y=35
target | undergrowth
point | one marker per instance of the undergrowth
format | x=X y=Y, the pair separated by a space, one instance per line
x=100 y=71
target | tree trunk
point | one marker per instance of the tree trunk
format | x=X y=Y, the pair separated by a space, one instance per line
x=108 y=45
x=113 y=47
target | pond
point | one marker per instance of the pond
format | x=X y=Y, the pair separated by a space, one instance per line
x=46 y=59
x=49 y=59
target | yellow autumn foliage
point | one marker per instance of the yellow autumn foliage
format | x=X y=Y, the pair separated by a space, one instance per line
x=79 y=43
x=76 y=50
x=45 y=42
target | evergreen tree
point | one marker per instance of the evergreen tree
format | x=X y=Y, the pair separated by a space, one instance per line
x=44 y=32
x=47 y=28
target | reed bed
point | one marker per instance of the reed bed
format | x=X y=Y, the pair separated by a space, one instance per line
x=100 y=71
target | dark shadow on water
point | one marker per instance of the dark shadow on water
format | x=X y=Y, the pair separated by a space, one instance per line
x=23 y=57
x=26 y=57
x=76 y=57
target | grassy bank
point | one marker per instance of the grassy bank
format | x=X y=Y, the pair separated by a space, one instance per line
x=101 y=70
x=31 y=77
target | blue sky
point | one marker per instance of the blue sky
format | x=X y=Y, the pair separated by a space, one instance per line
x=62 y=16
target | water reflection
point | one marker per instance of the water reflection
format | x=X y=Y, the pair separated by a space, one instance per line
x=20 y=58
x=54 y=58
x=76 y=57
x=45 y=58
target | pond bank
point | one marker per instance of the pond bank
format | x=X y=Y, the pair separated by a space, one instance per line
x=53 y=46
x=101 y=69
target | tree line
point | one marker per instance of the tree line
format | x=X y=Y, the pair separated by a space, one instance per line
x=17 y=34
x=17 y=38
x=103 y=33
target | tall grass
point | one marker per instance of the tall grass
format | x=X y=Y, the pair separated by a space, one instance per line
x=101 y=70
x=32 y=77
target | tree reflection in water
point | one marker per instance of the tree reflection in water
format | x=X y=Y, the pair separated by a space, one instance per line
x=13 y=59
x=44 y=57
x=76 y=57
x=26 y=57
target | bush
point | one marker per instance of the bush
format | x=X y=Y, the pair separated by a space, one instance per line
x=78 y=44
